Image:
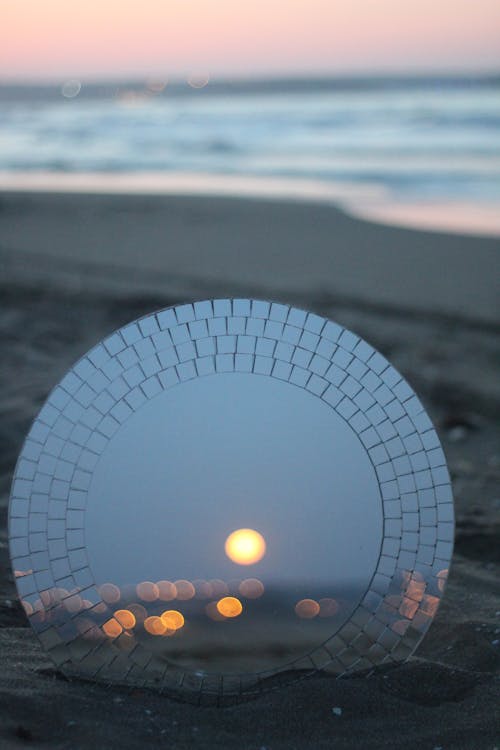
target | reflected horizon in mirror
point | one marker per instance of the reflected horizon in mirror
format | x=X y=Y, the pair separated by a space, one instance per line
x=225 y=492
x=221 y=474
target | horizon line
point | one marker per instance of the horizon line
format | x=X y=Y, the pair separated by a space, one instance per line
x=273 y=76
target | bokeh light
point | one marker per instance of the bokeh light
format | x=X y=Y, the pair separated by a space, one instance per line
x=125 y=617
x=203 y=589
x=251 y=588
x=28 y=608
x=140 y=613
x=328 y=607
x=147 y=591
x=112 y=628
x=212 y=612
x=429 y=605
x=71 y=88
x=185 y=590
x=198 y=79
x=219 y=588
x=166 y=591
x=72 y=603
x=156 y=85
x=229 y=606
x=307 y=608
x=408 y=607
x=172 y=619
x=245 y=546
x=154 y=625
x=109 y=593
x=442 y=577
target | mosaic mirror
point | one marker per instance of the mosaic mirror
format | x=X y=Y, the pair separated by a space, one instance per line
x=227 y=495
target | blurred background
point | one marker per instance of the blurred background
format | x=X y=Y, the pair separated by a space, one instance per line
x=390 y=108
x=343 y=157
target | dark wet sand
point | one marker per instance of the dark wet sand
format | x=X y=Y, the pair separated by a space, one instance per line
x=447 y=695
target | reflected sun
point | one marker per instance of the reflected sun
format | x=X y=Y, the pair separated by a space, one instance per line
x=245 y=546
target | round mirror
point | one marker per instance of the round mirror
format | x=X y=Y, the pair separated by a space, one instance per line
x=226 y=495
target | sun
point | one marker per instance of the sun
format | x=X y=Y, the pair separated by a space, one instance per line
x=245 y=546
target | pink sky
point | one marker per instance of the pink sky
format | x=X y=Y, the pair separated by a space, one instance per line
x=60 y=39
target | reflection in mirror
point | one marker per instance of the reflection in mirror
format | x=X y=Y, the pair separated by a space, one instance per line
x=262 y=495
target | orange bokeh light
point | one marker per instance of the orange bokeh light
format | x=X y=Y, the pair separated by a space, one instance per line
x=154 y=625
x=229 y=606
x=125 y=617
x=112 y=628
x=172 y=619
x=245 y=546
x=408 y=607
x=429 y=605
x=307 y=608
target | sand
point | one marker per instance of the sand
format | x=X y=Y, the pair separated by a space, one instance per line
x=76 y=267
x=206 y=245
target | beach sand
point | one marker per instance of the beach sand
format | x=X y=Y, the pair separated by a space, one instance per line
x=75 y=267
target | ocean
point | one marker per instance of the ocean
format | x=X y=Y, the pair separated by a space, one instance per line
x=399 y=141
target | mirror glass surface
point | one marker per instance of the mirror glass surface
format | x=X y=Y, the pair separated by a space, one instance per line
x=238 y=451
x=226 y=495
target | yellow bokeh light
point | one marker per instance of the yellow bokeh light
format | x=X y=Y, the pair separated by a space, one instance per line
x=112 y=628
x=154 y=625
x=307 y=608
x=172 y=619
x=125 y=617
x=245 y=546
x=229 y=606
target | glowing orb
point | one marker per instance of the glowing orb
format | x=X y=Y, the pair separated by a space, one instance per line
x=245 y=546
x=229 y=606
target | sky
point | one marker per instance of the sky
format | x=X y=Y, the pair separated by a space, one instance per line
x=92 y=39
x=223 y=453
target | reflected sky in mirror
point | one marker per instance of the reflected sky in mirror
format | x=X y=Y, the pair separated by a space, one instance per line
x=228 y=452
x=244 y=502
